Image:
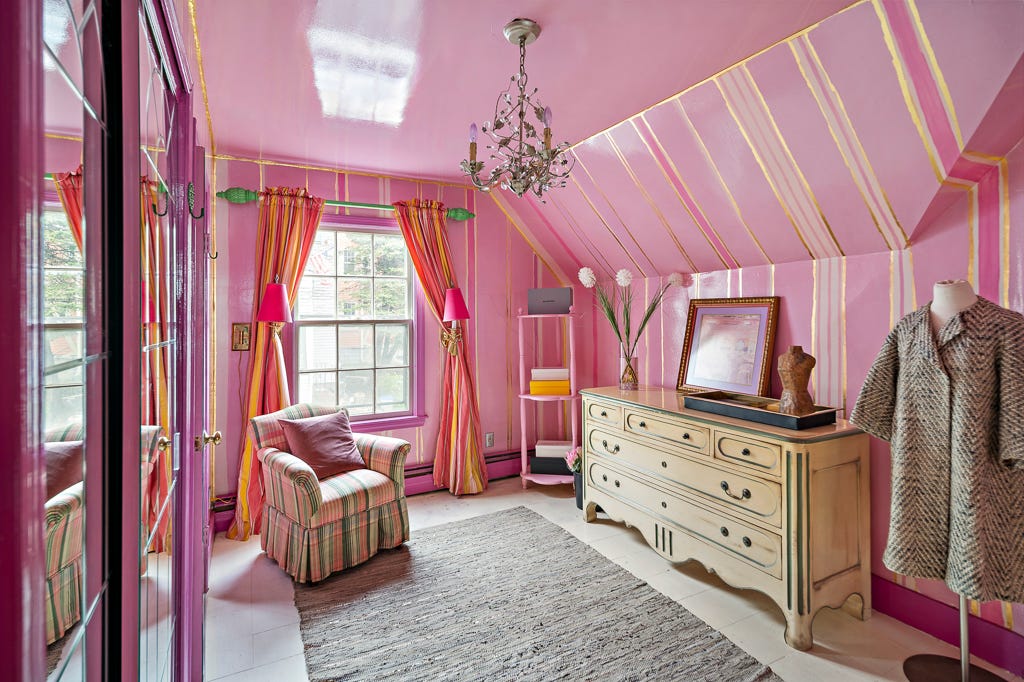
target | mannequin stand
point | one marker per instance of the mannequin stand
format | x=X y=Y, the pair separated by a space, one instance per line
x=935 y=668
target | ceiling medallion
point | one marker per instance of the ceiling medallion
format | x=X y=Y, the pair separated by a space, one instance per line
x=523 y=161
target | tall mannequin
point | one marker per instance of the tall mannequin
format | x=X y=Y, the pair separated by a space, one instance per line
x=949 y=297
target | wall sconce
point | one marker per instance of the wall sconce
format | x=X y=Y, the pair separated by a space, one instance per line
x=454 y=310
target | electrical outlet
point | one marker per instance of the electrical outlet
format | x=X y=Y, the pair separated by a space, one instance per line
x=489 y=439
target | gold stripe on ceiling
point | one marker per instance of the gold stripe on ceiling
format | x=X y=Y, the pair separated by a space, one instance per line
x=982 y=157
x=854 y=140
x=715 y=75
x=909 y=95
x=605 y=223
x=533 y=247
x=330 y=169
x=682 y=201
x=202 y=74
x=933 y=64
x=650 y=201
x=785 y=147
x=721 y=180
x=611 y=205
x=570 y=220
x=764 y=168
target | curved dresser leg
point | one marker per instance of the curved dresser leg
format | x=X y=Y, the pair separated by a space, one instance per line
x=798 y=631
x=589 y=512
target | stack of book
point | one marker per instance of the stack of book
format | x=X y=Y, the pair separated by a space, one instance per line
x=549 y=381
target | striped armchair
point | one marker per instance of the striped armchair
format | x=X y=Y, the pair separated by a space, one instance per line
x=313 y=528
x=63 y=514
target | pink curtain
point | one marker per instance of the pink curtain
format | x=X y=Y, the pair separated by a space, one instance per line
x=69 y=191
x=287 y=226
x=458 y=463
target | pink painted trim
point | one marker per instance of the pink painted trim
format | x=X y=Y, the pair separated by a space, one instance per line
x=988 y=641
x=927 y=92
x=424 y=483
x=648 y=136
x=411 y=421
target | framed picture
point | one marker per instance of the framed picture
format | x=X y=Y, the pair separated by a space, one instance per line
x=239 y=336
x=728 y=345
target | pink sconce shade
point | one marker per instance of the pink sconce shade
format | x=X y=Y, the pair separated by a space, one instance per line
x=274 y=307
x=455 y=306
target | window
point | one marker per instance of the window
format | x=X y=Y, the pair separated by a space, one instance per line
x=354 y=323
x=63 y=317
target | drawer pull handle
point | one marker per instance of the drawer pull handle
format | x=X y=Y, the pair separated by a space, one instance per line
x=686 y=436
x=745 y=452
x=614 y=450
x=665 y=464
x=746 y=541
x=604 y=477
x=744 y=494
x=642 y=425
x=604 y=413
x=725 y=531
x=616 y=484
x=664 y=505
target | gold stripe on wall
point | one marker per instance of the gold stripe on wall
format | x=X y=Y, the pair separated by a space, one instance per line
x=764 y=169
x=622 y=222
x=649 y=200
x=972 y=233
x=933 y=65
x=909 y=94
x=721 y=180
x=510 y=331
x=202 y=75
x=814 y=327
x=55 y=136
x=1004 y=235
x=771 y=271
x=892 y=289
x=842 y=335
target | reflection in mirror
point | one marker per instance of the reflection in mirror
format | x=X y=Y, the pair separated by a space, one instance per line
x=159 y=444
x=67 y=24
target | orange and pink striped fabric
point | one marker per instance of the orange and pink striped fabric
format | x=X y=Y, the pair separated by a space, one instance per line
x=288 y=221
x=458 y=463
x=69 y=191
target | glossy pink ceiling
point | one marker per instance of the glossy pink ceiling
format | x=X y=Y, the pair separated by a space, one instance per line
x=392 y=85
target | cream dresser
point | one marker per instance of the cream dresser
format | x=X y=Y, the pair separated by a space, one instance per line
x=779 y=511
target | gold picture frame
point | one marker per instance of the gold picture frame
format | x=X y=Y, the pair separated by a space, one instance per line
x=728 y=345
x=240 y=337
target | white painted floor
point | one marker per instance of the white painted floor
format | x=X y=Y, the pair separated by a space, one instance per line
x=252 y=626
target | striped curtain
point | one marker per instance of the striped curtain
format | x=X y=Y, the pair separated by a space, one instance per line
x=69 y=191
x=458 y=462
x=156 y=302
x=287 y=227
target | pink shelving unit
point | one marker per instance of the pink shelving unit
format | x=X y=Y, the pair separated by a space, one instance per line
x=526 y=398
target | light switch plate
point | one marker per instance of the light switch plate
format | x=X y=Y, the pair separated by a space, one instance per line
x=489 y=439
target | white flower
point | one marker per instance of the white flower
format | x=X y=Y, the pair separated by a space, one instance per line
x=624 y=277
x=675 y=279
x=587 y=278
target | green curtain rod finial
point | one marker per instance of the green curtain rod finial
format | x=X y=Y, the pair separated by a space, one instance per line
x=238 y=195
x=460 y=214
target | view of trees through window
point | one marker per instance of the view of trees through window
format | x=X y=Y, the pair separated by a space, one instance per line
x=354 y=323
x=63 y=318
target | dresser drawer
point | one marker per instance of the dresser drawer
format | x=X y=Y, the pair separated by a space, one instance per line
x=684 y=434
x=756 y=454
x=759 y=498
x=604 y=413
x=756 y=547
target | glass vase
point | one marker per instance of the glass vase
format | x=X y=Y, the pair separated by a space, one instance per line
x=627 y=379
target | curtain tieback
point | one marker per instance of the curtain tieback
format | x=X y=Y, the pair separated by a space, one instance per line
x=450 y=338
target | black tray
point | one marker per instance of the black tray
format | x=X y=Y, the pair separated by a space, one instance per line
x=757 y=409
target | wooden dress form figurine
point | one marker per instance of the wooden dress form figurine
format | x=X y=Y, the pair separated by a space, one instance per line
x=795 y=371
x=949 y=298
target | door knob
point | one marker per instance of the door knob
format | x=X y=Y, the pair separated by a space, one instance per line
x=206 y=438
x=162 y=443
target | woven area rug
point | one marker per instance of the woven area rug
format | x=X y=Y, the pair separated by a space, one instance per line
x=506 y=596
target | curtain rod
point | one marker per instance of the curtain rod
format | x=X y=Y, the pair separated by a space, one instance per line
x=240 y=195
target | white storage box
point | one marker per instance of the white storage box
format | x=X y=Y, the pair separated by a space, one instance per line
x=552 y=448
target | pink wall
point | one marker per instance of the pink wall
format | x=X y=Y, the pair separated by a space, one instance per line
x=841 y=309
x=494 y=265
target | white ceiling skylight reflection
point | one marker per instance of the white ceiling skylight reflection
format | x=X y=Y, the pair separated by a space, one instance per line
x=364 y=58
x=56 y=29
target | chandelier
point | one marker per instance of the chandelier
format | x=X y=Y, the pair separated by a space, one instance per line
x=523 y=161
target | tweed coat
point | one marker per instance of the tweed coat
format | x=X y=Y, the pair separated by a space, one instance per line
x=952 y=405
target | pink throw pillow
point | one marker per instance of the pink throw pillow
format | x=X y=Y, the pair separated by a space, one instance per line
x=325 y=443
x=63 y=465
